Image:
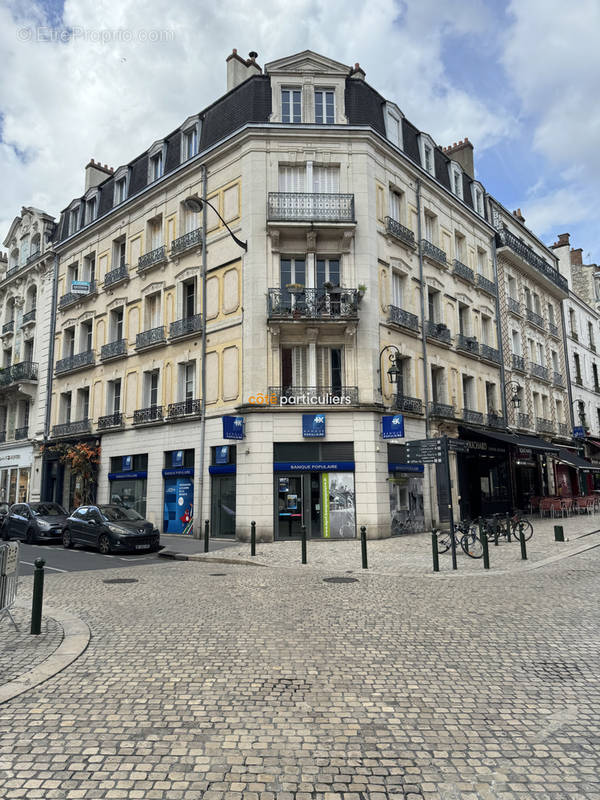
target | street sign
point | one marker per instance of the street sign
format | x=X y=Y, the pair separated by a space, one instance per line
x=579 y=432
x=80 y=287
x=424 y=451
x=458 y=445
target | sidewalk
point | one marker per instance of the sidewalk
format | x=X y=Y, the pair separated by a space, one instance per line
x=176 y=545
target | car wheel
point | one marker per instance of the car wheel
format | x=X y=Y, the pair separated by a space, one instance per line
x=104 y=544
x=66 y=538
x=30 y=536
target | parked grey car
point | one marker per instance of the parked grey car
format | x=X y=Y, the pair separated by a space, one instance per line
x=110 y=528
x=34 y=522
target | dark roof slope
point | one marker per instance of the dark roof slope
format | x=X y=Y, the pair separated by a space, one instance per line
x=364 y=106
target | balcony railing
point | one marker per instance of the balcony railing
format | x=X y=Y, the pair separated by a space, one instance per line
x=145 y=415
x=557 y=379
x=463 y=271
x=518 y=362
x=28 y=316
x=153 y=258
x=110 y=421
x=409 y=404
x=564 y=429
x=508 y=239
x=113 y=349
x=495 y=420
x=489 y=353
x=431 y=251
x=185 y=326
x=9 y=326
x=21 y=433
x=150 y=338
x=187 y=241
x=437 y=330
x=404 y=318
x=186 y=408
x=513 y=305
x=553 y=329
x=472 y=417
x=401 y=232
x=72 y=428
x=539 y=371
x=315 y=395
x=441 y=410
x=70 y=298
x=544 y=425
x=523 y=421
x=313 y=303
x=23 y=371
x=486 y=284
x=534 y=318
x=467 y=343
x=310 y=207
x=77 y=361
x=116 y=276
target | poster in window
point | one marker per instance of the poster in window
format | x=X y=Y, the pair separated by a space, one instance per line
x=284 y=484
x=340 y=505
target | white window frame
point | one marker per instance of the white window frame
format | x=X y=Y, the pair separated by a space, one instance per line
x=291 y=89
x=158 y=149
x=426 y=143
x=74 y=214
x=393 y=117
x=478 y=195
x=91 y=197
x=396 y=198
x=456 y=179
x=190 y=126
x=323 y=90
x=121 y=178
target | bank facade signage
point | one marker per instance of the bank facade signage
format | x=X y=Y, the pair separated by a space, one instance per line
x=233 y=427
x=313 y=425
x=392 y=427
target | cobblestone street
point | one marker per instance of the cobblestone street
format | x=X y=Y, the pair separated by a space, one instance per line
x=219 y=681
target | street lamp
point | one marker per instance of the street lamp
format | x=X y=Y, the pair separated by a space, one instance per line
x=394 y=372
x=196 y=204
x=515 y=388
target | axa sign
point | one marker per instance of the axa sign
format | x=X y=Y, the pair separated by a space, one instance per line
x=233 y=427
x=392 y=427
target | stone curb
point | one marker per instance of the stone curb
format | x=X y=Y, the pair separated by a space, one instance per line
x=209 y=558
x=76 y=637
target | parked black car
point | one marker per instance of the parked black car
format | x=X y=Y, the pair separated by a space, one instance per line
x=34 y=521
x=110 y=527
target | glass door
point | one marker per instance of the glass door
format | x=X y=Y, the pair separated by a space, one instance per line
x=290 y=513
x=223 y=505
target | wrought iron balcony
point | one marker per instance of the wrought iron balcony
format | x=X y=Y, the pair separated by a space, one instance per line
x=409 y=404
x=13 y=270
x=150 y=338
x=434 y=253
x=463 y=271
x=518 y=362
x=21 y=433
x=185 y=326
x=495 y=420
x=28 y=316
x=310 y=207
x=467 y=343
x=489 y=353
x=145 y=415
x=186 y=408
x=507 y=239
x=538 y=370
x=74 y=362
x=472 y=417
x=152 y=259
x=535 y=318
x=513 y=305
x=116 y=276
x=437 y=330
x=315 y=395
x=322 y=304
x=186 y=242
x=523 y=420
x=557 y=380
x=394 y=228
x=404 y=318
x=544 y=425
x=9 y=326
x=70 y=298
x=486 y=284
x=72 y=428
x=441 y=410
x=113 y=349
x=23 y=371
x=553 y=329
x=110 y=421
x=564 y=429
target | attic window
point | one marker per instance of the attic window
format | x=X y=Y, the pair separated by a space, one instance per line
x=156 y=166
x=291 y=105
x=73 y=220
x=456 y=179
x=190 y=141
x=477 y=194
x=324 y=106
x=91 y=208
x=393 y=124
x=427 y=154
x=121 y=185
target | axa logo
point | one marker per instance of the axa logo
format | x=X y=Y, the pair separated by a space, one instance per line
x=237 y=422
x=396 y=420
x=318 y=420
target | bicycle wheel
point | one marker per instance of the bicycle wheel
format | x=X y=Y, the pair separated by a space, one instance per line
x=525 y=526
x=471 y=544
x=443 y=542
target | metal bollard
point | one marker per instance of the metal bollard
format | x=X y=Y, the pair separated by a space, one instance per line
x=508 y=528
x=206 y=534
x=559 y=534
x=486 y=549
x=304 y=544
x=38 y=597
x=363 y=543
x=253 y=538
x=434 y=551
x=523 y=545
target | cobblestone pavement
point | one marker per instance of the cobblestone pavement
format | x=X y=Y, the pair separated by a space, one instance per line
x=230 y=683
x=410 y=554
x=19 y=650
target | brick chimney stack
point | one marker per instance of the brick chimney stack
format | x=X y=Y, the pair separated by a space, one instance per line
x=358 y=72
x=518 y=215
x=95 y=173
x=577 y=257
x=562 y=241
x=462 y=152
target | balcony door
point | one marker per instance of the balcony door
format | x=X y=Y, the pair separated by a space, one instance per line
x=294 y=368
x=330 y=369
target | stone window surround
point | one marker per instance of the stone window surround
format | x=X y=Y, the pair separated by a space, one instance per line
x=308 y=83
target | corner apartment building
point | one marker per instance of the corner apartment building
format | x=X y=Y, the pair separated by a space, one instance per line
x=26 y=291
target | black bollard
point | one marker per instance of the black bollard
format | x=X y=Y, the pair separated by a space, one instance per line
x=253 y=538
x=523 y=545
x=304 y=544
x=559 y=534
x=363 y=543
x=486 y=550
x=206 y=534
x=434 y=551
x=38 y=597
x=508 y=528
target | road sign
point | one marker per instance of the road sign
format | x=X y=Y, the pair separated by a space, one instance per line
x=458 y=445
x=424 y=451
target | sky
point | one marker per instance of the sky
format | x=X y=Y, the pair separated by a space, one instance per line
x=104 y=79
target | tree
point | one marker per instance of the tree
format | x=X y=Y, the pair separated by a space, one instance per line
x=83 y=460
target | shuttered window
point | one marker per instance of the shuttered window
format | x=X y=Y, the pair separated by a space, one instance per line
x=326 y=180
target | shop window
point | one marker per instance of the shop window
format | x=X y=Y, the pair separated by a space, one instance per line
x=179 y=458
x=223 y=454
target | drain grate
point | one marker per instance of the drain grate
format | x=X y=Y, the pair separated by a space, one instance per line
x=121 y=580
x=340 y=580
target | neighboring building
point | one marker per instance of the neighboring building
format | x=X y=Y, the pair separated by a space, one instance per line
x=26 y=292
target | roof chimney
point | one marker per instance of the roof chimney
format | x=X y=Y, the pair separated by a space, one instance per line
x=562 y=241
x=517 y=214
x=358 y=72
x=240 y=69
x=577 y=257
x=95 y=173
x=462 y=152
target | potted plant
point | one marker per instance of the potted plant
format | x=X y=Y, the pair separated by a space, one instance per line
x=295 y=288
x=361 y=290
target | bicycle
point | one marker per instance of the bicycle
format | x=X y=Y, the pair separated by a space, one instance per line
x=469 y=540
x=494 y=528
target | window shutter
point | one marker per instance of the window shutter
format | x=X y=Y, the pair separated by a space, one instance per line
x=292 y=179
x=323 y=371
x=300 y=366
x=326 y=180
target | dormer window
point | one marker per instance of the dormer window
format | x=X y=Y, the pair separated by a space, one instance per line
x=324 y=106
x=478 y=201
x=393 y=124
x=156 y=167
x=291 y=105
x=426 y=150
x=73 y=220
x=91 y=209
x=121 y=185
x=156 y=161
x=456 y=179
x=190 y=138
